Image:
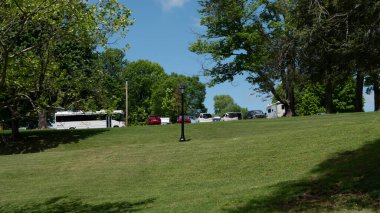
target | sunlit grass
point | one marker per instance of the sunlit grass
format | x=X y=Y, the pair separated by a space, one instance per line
x=239 y=166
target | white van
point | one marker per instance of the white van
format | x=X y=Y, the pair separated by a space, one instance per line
x=231 y=116
x=204 y=117
x=275 y=110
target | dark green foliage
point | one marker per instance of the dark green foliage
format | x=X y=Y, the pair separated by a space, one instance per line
x=338 y=39
x=142 y=76
x=166 y=98
x=292 y=42
x=253 y=37
x=152 y=92
x=47 y=54
x=112 y=64
x=344 y=97
x=310 y=100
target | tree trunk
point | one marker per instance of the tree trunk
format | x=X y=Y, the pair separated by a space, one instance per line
x=359 y=91
x=42 y=120
x=3 y=66
x=329 y=98
x=292 y=109
x=288 y=111
x=15 y=126
x=376 y=91
x=289 y=104
x=288 y=81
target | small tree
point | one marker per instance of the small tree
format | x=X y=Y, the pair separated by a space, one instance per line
x=225 y=103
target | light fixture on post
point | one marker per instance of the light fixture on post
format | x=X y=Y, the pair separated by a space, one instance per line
x=182 y=91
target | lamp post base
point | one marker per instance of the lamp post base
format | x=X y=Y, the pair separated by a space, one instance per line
x=182 y=139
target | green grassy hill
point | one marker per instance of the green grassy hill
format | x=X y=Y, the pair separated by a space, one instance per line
x=318 y=163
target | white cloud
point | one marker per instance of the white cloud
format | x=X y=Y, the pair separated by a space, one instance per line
x=170 y=4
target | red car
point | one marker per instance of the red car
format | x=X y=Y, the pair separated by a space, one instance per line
x=153 y=120
x=187 y=119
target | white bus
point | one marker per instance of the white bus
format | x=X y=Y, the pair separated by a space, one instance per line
x=88 y=120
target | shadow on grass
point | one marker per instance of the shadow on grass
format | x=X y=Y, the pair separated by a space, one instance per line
x=348 y=181
x=38 y=141
x=63 y=204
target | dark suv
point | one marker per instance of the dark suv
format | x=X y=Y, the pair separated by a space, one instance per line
x=255 y=114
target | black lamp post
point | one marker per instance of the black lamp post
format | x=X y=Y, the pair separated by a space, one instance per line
x=182 y=90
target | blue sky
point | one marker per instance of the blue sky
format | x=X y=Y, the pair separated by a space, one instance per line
x=162 y=33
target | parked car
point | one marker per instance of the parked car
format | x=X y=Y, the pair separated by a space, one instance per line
x=231 y=116
x=216 y=118
x=256 y=114
x=165 y=120
x=153 y=120
x=204 y=117
x=187 y=119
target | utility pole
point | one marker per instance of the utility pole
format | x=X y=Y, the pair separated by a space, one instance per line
x=126 y=103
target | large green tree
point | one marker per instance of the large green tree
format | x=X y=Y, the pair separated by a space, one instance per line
x=55 y=74
x=112 y=65
x=101 y=19
x=225 y=103
x=222 y=102
x=152 y=91
x=310 y=98
x=30 y=33
x=142 y=76
x=166 y=98
x=339 y=39
x=253 y=37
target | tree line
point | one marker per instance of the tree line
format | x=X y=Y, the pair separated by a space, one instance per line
x=309 y=55
x=54 y=56
x=151 y=91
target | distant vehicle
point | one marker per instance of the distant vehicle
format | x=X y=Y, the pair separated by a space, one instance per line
x=231 y=116
x=275 y=110
x=216 y=119
x=193 y=119
x=204 y=117
x=88 y=120
x=253 y=114
x=187 y=119
x=28 y=126
x=153 y=120
x=165 y=120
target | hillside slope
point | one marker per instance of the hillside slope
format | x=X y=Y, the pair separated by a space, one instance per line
x=313 y=163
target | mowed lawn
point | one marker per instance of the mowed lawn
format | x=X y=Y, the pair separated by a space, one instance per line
x=317 y=163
